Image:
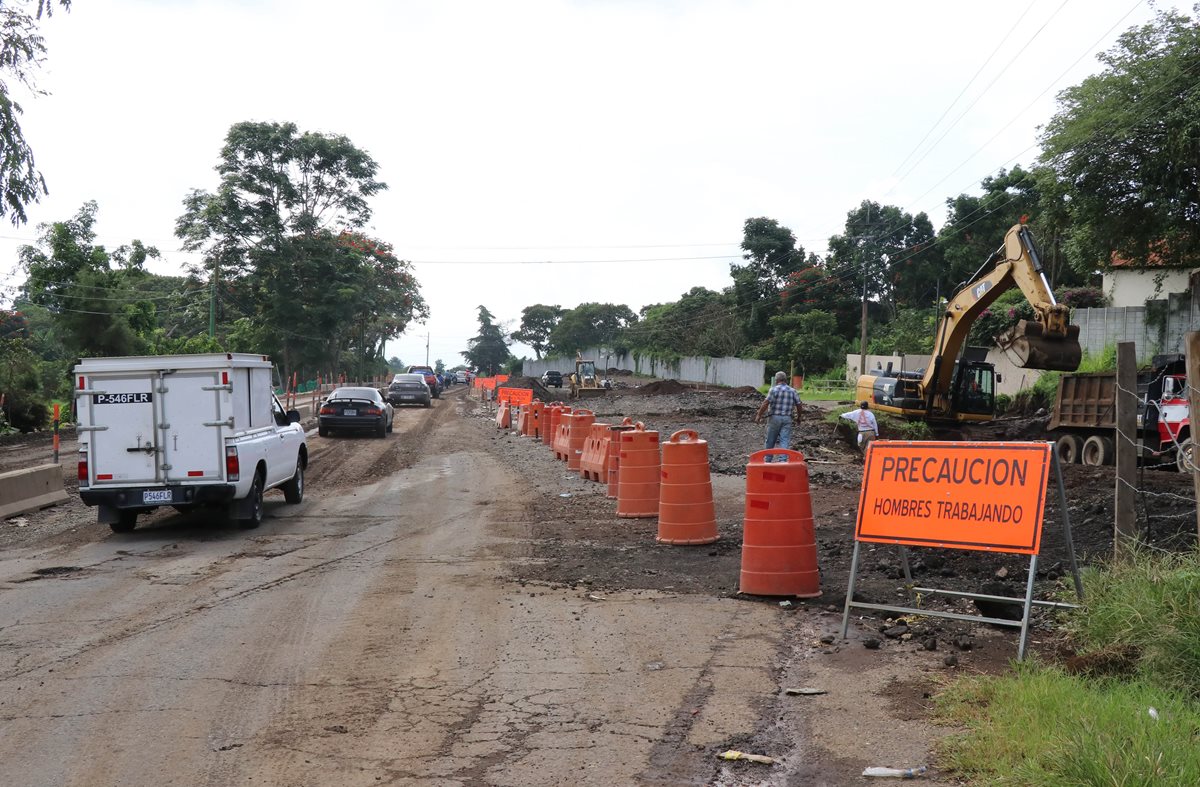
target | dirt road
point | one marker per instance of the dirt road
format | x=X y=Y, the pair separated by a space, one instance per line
x=371 y=635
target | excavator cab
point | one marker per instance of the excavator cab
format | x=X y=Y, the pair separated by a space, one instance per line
x=975 y=388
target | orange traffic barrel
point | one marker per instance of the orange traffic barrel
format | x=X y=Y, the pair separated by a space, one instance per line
x=595 y=449
x=779 y=549
x=554 y=412
x=612 y=457
x=686 y=513
x=536 y=409
x=581 y=427
x=503 y=416
x=637 y=482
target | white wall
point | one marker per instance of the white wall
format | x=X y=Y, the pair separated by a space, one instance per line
x=733 y=372
x=1133 y=287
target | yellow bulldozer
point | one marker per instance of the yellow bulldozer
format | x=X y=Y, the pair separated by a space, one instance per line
x=584 y=381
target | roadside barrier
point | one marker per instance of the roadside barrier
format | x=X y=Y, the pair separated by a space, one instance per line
x=554 y=412
x=31 y=488
x=503 y=416
x=686 y=514
x=779 y=550
x=536 y=409
x=581 y=426
x=523 y=420
x=591 y=461
x=613 y=457
x=637 y=482
x=562 y=435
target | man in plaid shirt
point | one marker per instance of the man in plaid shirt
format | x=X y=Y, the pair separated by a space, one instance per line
x=781 y=401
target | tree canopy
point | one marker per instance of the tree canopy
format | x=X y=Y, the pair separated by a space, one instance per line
x=1125 y=145
x=537 y=323
x=22 y=52
x=487 y=351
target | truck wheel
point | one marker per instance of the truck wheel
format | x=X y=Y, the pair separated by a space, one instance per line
x=293 y=490
x=1098 y=451
x=1069 y=448
x=1185 y=457
x=126 y=522
x=256 y=505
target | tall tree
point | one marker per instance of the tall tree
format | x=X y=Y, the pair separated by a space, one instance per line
x=537 y=323
x=892 y=250
x=22 y=52
x=591 y=325
x=282 y=228
x=772 y=256
x=701 y=322
x=1124 y=143
x=487 y=351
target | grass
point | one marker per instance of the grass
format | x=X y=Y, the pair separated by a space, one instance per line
x=1138 y=644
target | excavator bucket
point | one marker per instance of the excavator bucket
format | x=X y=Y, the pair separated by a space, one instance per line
x=1034 y=349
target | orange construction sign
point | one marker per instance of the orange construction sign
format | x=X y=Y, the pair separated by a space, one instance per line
x=487 y=383
x=516 y=396
x=501 y=378
x=984 y=496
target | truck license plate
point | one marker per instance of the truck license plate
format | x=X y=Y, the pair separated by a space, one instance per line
x=156 y=496
x=349 y=412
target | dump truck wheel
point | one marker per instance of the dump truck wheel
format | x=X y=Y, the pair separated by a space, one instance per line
x=1098 y=451
x=1185 y=457
x=1069 y=448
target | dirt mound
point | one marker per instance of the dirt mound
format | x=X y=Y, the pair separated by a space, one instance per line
x=743 y=391
x=539 y=391
x=661 y=388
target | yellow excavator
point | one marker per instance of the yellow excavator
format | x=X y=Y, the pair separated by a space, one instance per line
x=959 y=384
x=584 y=382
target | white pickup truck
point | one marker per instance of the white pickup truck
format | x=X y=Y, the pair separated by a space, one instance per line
x=184 y=431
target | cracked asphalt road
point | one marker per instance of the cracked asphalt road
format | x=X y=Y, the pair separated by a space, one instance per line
x=367 y=636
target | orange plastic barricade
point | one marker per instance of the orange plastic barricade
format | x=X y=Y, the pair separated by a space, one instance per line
x=637 y=484
x=779 y=549
x=562 y=435
x=686 y=513
x=613 y=459
x=581 y=427
x=554 y=412
x=503 y=417
x=522 y=418
x=591 y=461
x=534 y=421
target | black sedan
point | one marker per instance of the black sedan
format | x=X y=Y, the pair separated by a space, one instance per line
x=409 y=389
x=355 y=409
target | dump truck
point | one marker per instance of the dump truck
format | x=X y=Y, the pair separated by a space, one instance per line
x=1085 y=414
x=959 y=385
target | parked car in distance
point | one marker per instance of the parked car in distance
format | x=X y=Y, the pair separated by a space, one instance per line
x=462 y=377
x=355 y=409
x=431 y=379
x=409 y=389
x=552 y=378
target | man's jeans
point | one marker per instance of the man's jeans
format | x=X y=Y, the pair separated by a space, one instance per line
x=779 y=433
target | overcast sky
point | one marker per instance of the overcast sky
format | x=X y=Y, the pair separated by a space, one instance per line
x=634 y=136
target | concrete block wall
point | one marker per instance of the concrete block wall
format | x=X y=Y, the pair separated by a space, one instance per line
x=732 y=372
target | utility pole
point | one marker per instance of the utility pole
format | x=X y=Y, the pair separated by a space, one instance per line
x=212 y=303
x=1125 y=511
x=427 y=348
x=862 y=349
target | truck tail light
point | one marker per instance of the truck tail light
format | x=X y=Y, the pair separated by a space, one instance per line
x=83 y=468
x=326 y=410
x=233 y=470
